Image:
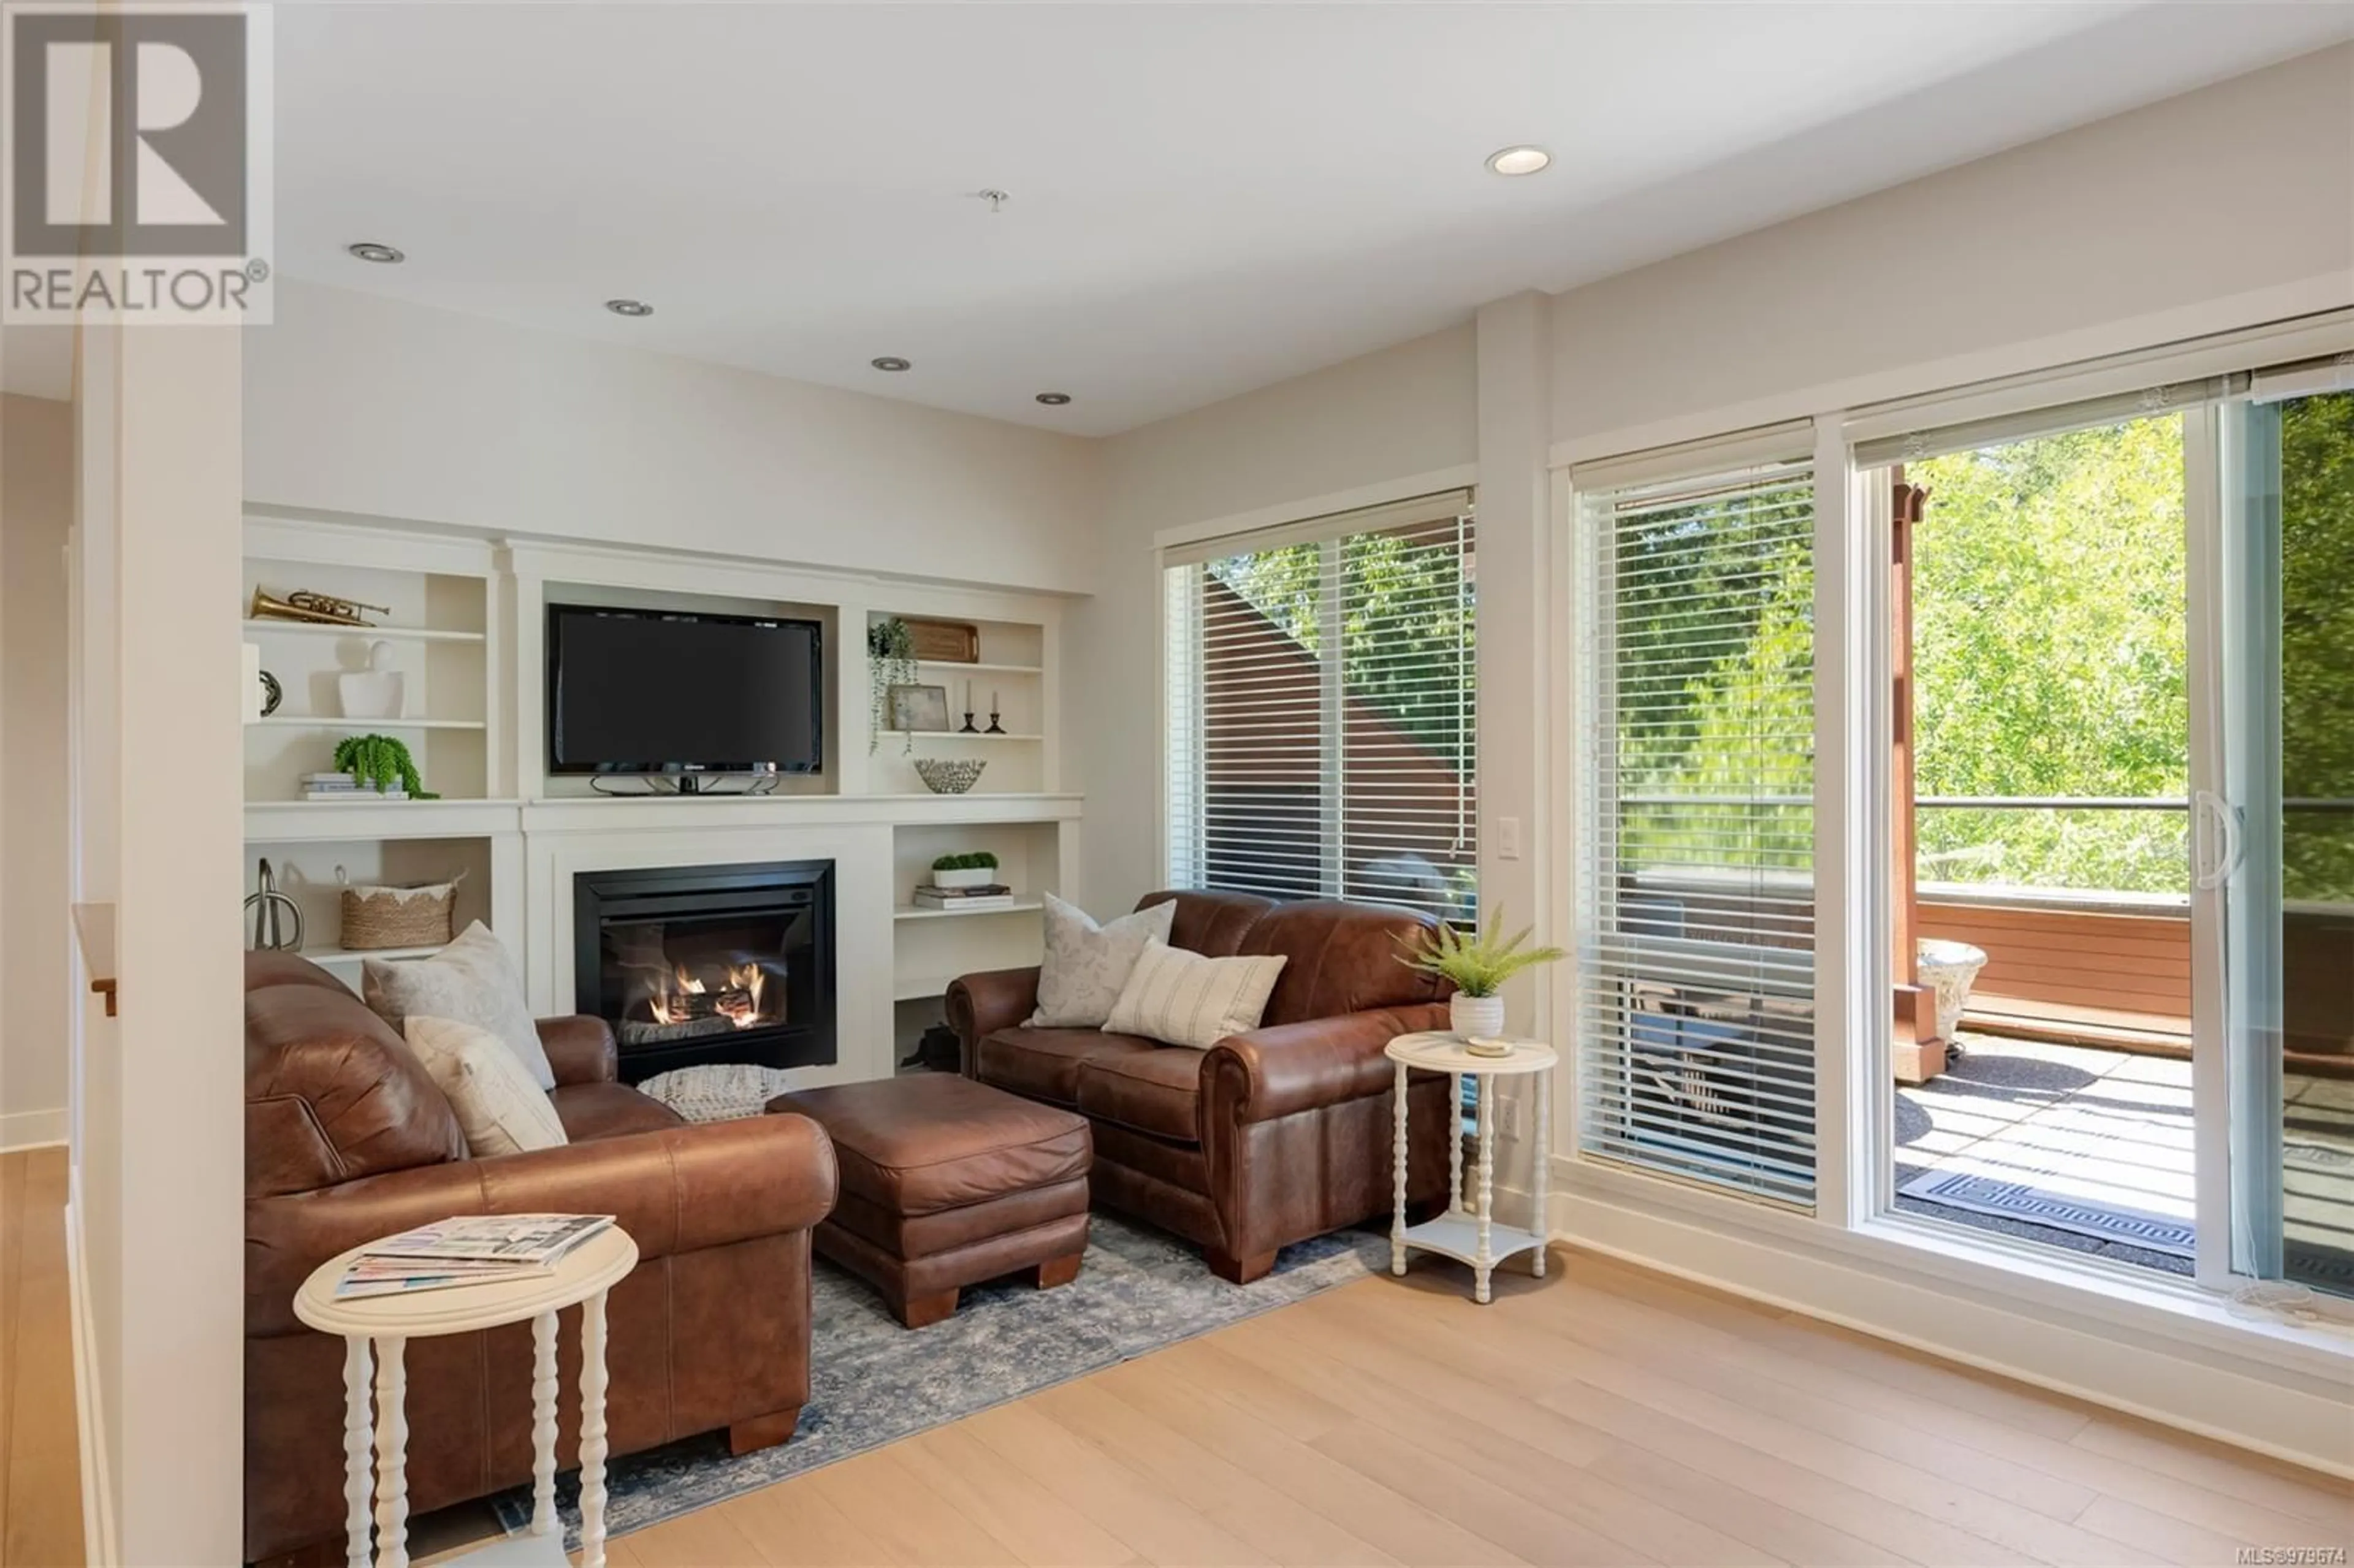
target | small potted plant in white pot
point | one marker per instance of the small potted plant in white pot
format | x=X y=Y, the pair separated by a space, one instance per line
x=977 y=868
x=1479 y=962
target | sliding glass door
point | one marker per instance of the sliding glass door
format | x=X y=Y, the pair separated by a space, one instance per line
x=2101 y=632
x=2277 y=848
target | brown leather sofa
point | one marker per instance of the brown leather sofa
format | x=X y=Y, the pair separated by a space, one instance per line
x=347 y=1139
x=1268 y=1137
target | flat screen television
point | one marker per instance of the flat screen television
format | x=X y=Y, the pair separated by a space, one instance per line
x=658 y=691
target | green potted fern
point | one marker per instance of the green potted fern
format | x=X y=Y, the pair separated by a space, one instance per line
x=381 y=763
x=1479 y=963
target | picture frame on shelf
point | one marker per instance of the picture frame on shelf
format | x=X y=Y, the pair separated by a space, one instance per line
x=919 y=709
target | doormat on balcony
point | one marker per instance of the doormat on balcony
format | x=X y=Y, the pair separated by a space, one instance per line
x=872 y=1381
x=2015 y=1201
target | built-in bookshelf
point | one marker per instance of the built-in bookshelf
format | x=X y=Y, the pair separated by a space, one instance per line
x=430 y=611
x=464 y=619
x=932 y=947
x=1011 y=676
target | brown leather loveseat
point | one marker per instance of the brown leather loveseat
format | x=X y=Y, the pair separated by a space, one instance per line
x=1269 y=1137
x=347 y=1139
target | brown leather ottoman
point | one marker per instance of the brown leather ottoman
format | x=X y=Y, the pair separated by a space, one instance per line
x=946 y=1182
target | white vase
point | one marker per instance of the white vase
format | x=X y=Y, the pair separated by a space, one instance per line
x=1476 y=1017
x=965 y=877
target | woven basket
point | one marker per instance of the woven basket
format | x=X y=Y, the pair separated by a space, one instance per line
x=377 y=917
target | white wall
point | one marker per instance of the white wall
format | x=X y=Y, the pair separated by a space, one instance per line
x=361 y=404
x=1408 y=410
x=36 y=511
x=159 y=1156
x=2227 y=206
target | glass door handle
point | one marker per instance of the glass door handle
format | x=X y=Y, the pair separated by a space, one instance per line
x=2232 y=850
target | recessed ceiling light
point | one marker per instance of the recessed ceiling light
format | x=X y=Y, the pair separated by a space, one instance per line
x=889 y=361
x=1054 y=399
x=1518 y=161
x=373 y=250
x=629 y=307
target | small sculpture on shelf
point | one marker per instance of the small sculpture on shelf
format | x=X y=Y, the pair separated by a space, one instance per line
x=277 y=918
x=379 y=692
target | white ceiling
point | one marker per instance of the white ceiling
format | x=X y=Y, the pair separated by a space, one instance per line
x=1205 y=198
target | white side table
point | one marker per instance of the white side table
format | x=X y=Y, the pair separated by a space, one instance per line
x=1469 y=1234
x=385 y=1324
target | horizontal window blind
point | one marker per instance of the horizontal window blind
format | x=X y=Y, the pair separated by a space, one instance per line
x=2093 y=392
x=1321 y=706
x=1694 y=881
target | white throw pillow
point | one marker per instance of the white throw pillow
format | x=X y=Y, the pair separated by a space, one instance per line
x=500 y=1110
x=1183 y=999
x=472 y=981
x=1087 y=964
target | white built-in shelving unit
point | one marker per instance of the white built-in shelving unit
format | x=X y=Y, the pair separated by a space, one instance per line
x=466 y=614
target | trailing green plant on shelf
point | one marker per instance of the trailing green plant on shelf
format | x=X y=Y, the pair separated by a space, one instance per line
x=971 y=860
x=890 y=662
x=380 y=762
x=1477 y=961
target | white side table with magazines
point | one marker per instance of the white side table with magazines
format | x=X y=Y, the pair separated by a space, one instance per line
x=377 y=1328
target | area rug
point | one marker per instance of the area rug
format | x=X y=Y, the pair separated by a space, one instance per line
x=2105 y=1220
x=872 y=1381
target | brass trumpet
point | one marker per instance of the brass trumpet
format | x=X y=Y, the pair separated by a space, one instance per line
x=317 y=609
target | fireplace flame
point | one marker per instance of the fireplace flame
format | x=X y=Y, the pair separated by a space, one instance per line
x=737 y=1000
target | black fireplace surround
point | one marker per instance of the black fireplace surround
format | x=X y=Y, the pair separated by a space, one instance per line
x=695 y=965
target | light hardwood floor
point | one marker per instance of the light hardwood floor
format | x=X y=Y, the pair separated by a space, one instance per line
x=40 y=1460
x=1602 y=1416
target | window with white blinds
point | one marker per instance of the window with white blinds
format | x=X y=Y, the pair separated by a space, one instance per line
x=1321 y=710
x=1695 y=884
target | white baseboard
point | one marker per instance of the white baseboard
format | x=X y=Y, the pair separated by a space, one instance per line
x=89 y=1410
x=32 y=1130
x=2276 y=1392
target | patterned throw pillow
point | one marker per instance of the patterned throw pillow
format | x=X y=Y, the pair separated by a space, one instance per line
x=500 y=1110
x=724 y=1091
x=471 y=980
x=1183 y=999
x=1087 y=964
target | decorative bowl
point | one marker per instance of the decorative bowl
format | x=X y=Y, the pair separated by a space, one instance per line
x=943 y=776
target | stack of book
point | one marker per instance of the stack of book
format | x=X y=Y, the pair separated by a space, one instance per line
x=473 y=1249
x=344 y=787
x=993 y=895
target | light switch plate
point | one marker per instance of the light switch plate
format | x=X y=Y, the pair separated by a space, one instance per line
x=1508 y=838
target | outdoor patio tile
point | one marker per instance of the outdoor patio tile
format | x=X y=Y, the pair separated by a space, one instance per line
x=2154 y=1070
x=2333 y=1094
x=1980 y=1100
x=2090 y=1060
x=1939 y=1141
x=2173 y=1197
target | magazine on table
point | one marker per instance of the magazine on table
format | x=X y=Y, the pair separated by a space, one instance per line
x=493 y=1238
x=474 y=1249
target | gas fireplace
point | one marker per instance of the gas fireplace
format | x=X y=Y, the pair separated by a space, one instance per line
x=704 y=964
